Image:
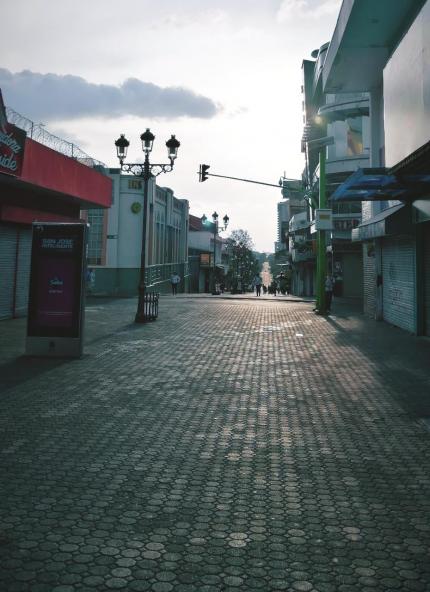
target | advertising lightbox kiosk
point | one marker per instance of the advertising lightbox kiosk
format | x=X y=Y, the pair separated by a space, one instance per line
x=55 y=323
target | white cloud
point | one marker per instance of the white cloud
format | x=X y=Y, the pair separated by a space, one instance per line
x=231 y=51
x=306 y=9
x=62 y=97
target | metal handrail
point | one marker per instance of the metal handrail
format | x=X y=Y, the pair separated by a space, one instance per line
x=161 y=273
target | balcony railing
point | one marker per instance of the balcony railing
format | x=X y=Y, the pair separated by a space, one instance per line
x=160 y=274
x=302 y=255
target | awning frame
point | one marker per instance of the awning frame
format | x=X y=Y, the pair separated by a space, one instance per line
x=380 y=184
x=394 y=220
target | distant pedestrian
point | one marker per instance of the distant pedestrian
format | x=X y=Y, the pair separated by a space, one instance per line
x=90 y=279
x=274 y=287
x=282 y=284
x=257 y=284
x=174 y=280
x=264 y=289
x=328 y=288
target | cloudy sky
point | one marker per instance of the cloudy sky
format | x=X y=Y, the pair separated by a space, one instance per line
x=224 y=76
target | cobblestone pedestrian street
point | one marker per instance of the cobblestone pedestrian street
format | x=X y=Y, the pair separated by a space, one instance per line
x=232 y=445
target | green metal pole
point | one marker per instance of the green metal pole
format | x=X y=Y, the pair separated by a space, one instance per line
x=214 y=266
x=321 y=247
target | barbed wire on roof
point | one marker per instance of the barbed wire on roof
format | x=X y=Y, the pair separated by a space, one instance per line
x=37 y=132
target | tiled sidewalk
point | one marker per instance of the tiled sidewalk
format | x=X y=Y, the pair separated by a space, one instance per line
x=229 y=446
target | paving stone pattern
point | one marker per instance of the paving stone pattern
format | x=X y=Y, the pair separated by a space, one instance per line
x=228 y=446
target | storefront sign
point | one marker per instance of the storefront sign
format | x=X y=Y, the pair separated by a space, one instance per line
x=55 y=313
x=345 y=223
x=206 y=260
x=12 y=144
x=323 y=219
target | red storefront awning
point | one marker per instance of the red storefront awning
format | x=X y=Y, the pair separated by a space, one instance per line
x=51 y=186
x=51 y=170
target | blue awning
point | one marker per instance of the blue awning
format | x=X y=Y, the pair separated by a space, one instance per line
x=378 y=184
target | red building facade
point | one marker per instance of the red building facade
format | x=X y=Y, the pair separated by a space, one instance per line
x=36 y=184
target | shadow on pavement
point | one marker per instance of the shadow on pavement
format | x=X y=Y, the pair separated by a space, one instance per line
x=25 y=368
x=401 y=357
x=102 y=323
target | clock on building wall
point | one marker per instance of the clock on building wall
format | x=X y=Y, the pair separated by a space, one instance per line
x=136 y=207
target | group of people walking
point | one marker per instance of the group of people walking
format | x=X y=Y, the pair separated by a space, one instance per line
x=278 y=285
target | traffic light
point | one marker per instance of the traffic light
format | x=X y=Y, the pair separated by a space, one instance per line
x=203 y=172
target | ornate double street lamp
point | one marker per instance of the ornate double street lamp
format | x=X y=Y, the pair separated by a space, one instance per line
x=216 y=228
x=146 y=171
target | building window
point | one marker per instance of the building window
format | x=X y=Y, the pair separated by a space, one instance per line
x=351 y=138
x=95 y=236
x=344 y=207
x=354 y=136
x=134 y=184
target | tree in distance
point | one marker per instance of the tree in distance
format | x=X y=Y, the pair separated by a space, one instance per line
x=243 y=263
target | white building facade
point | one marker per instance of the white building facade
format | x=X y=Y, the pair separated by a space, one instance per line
x=345 y=118
x=283 y=219
x=203 y=244
x=115 y=239
x=302 y=253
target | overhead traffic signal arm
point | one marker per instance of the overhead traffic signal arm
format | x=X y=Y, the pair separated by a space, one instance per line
x=203 y=175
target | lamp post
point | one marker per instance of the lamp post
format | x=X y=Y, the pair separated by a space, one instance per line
x=320 y=144
x=216 y=228
x=147 y=171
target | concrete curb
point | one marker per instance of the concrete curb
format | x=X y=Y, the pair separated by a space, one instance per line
x=238 y=297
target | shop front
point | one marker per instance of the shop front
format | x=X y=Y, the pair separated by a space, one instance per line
x=36 y=184
x=395 y=241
